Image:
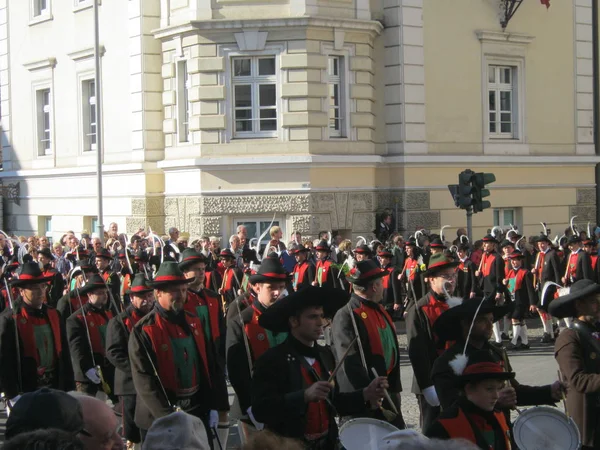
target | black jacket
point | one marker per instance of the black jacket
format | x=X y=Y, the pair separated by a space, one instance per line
x=493 y=282
x=278 y=390
x=467 y=282
x=8 y=357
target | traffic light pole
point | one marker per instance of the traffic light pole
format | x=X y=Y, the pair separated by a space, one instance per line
x=470 y=223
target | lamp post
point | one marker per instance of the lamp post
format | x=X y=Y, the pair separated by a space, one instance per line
x=98 y=106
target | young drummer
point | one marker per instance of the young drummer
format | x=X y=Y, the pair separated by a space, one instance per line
x=519 y=282
x=474 y=416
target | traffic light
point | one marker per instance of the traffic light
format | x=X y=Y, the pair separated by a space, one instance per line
x=479 y=182
x=465 y=189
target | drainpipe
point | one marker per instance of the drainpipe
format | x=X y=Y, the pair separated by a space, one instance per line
x=596 y=93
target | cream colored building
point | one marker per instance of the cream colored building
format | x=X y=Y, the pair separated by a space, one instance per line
x=319 y=113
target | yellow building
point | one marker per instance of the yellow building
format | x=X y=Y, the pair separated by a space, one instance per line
x=322 y=113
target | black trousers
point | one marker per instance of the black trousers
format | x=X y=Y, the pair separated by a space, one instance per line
x=428 y=414
x=130 y=430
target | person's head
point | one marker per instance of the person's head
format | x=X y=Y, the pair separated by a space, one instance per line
x=141 y=294
x=58 y=249
x=300 y=256
x=442 y=274
x=387 y=219
x=72 y=241
x=574 y=246
x=31 y=284
x=45 y=257
x=462 y=251
x=173 y=234
x=170 y=286
x=242 y=232
x=489 y=246
x=373 y=291
x=98 y=297
x=269 y=292
x=588 y=307
x=484 y=393
x=516 y=260
x=178 y=430
x=100 y=423
x=45 y=439
x=410 y=249
x=215 y=243
x=96 y=244
x=234 y=242
x=309 y=244
x=543 y=245
x=43 y=242
x=227 y=260
x=322 y=255
x=113 y=228
x=307 y=325
x=507 y=249
x=102 y=263
x=197 y=272
x=482 y=327
x=276 y=233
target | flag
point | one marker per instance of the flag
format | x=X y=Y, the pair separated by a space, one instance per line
x=545 y=2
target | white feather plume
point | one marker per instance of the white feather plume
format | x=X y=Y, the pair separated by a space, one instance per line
x=459 y=363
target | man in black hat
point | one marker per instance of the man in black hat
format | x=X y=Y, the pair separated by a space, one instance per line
x=246 y=339
x=362 y=252
x=117 y=338
x=365 y=319
x=547 y=268
x=391 y=285
x=590 y=247
x=57 y=283
x=304 y=273
x=206 y=304
x=232 y=277
x=466 y=286
x=172 y=363
x=520 y=286
x=291 y=388
x=103 y=260
x=491 y=272
x=33 y=345
x=86 y=331
x=423 y=345
x=577 y=351
x=70 y=302
x=454 y=326
x=579 y=266
x=436 y=246
x=326 y=275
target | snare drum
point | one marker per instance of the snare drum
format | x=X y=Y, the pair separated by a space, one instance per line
x=364 y=433
x=543 y=427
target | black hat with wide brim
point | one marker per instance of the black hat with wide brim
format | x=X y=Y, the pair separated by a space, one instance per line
x=439 y=262
x=271 y=270
x=448 y=325
x=169 y=274
x=365 y=272
x=29 y=274
x=190 y=257
x=565 y=306
x=139 y=286
x=543 y=238
x=93 y=283
x=276 y=317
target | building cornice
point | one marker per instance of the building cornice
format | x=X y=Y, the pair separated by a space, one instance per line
x=499 y=36
x=85 y=53
x=147 y=168
x=370 y=26
x=46 y=63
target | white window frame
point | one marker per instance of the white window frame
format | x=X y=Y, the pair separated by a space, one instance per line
x=516 y=217
x=347 y=104
x=340 y=81
x=184 y=106
x=88 y=102
x=517 y=65
x=41 y=110
x=232 y=52
x=38 y=14
x=497 y=87
x=277 y=222
x=80 y=5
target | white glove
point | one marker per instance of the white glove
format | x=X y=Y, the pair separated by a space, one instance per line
x=259 y=426
x=11 y=404
x=213 y=418
x=431 y=396
x=93 y=376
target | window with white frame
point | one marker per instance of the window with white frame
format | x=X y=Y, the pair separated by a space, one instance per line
x=88 y=95
x=502 y=102
x=44 y=121
x=256 y=227
x=41 y=7
x=254 y=84
x=335 y=102
x=184 y=109
x=505 y=217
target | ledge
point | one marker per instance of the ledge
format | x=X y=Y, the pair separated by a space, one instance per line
x=46 y=63
x=499 y=36
x=85 y=53
x=371 y=26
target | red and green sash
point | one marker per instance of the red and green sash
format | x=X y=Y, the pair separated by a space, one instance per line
x=97 y=323
x=299 y=273
x=261 y=339
x=433 y=310
x=573 y=264
x=75 y=306
x=207 y=310
x=410 y=268
x=317 y=415
x=486 y=265
x=515 y=280
x=41 y=338
x=131 y=319
x=386 y=278
x=460 y=427
x=170 y=353
x=594 y=260
x=322 y=271
x=228 y=279
x=381 y=332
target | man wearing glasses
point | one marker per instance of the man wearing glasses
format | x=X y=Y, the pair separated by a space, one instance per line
x=423 y=345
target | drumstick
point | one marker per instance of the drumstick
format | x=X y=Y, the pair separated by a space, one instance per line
x=386 y=393
x=339 y=364
x=562 y=393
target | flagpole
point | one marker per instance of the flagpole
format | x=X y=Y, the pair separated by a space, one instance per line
x=98 y=106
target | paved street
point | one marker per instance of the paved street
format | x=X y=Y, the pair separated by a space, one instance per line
x=535 y=367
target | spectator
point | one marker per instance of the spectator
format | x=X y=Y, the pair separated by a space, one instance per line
x=113 y=230
x=176 y=431
x=61 y=264
x=173 y=235
x=48 y=439
x=42 y=409
x=100 y=424
x=242 y=233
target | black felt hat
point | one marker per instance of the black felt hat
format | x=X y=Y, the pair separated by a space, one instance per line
x=439 y=262
x=437 y=243
x=169 y=274
x=543 y=238
x=323 y=246
x=364 y=272
x=29 y=274
x=189 y=257
x=140 y=285
x=565 y=306
x=276 y=317
x=93 y=283
x=271 y=270
x=103 y=253
x=363 y=250
x=482 y=366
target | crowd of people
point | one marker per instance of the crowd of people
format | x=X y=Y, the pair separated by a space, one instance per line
x=162 y=325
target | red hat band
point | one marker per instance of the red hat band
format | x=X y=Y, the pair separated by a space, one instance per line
x=482 y=368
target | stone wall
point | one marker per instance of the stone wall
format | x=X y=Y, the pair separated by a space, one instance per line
x=585 y=207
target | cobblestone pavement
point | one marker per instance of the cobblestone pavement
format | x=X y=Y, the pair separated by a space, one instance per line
x=534 y=367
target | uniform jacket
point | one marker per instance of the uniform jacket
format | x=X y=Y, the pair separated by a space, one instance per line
x=9 y=382
x=57 y=285
x=467 y=282
x=444 y=378
x=578 y=359
x=524 y=294
x=278 y=390
x=151 y=402
x=493 y=279
x=583 y=267
x=550 y=269
x=353 y=375
x=303 y=275
x=117 y=338
x=114 y=284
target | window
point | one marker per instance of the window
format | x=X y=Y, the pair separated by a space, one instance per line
x=256 y=227
x=44 y=121
x=335 y=86
x=90 y=223
x=88 y=95
x=41 y=7
x=502 y=99
x=505 y=217
x=254 y=96
x=183 y=103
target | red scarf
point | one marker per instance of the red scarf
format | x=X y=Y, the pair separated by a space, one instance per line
x=317 y=416
x=486 y=265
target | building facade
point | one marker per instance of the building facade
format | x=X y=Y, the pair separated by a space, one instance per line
x=317 y=114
